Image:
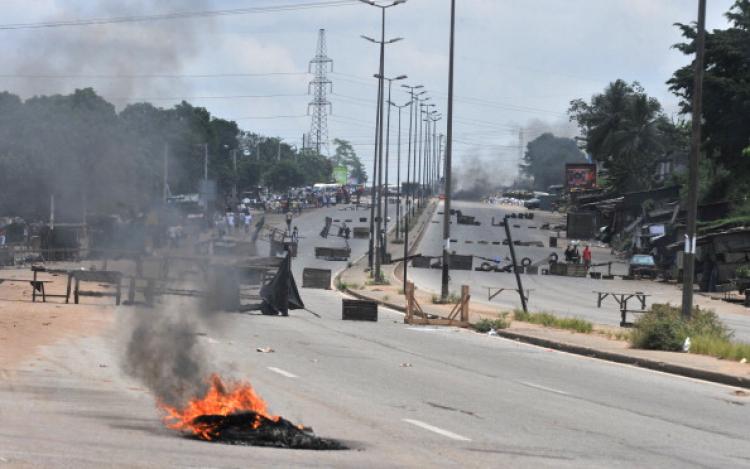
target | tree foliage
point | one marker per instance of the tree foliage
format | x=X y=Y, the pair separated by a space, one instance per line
x=346 y=156
x=726 y=99
x=546 y=157
x=627 y=132
x=91 y=158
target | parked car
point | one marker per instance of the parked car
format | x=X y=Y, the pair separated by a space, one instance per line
x=642 y=265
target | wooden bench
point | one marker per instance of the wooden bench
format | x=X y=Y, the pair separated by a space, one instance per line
x=108 y=277
x=37 y=286
x=622 y=301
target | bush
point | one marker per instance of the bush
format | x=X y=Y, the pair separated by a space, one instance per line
x=485 y=325
x=663 y=328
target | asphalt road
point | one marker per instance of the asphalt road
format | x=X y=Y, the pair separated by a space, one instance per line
x=566 y=296
x=400 y=396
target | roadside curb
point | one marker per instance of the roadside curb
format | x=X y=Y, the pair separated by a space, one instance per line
x=656 y=365
x=640 y=362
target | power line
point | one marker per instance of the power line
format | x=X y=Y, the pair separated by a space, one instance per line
x=177 y=15
x=186 y=98
x=268 y=117
x=157 y=75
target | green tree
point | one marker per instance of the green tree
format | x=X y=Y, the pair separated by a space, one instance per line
x=283 y=175
x=546 y=157
x=346 y=156
x=626 y=131
x=726 y=100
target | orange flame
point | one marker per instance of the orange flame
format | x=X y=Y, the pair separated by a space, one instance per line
x=220 y=399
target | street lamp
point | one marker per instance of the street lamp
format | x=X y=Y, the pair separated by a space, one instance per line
x=424 y=149
x=445 y=277
x=407 y=207
x=233 y=153
x=398 y=168
x=418 y=151
x=378 y=159
x=384 y=248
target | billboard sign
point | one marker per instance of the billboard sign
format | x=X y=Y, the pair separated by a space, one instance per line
x=341 y=175
x=580 y=176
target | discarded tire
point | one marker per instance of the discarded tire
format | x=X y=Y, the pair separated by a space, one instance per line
x=525 y=262
x=553 y=257
x=485 y=267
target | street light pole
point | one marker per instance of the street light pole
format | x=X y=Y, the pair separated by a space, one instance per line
x=448 y=155
x=423 y=153
x=384 y=249
x=695 y=148
x=398 y=170
x=412 y=103
x=205 y=161
x=377 y=244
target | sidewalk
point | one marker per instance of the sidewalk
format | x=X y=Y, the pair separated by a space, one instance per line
x=356 y=281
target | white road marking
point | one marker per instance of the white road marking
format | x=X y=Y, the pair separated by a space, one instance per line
x=439 y=431
x=282 y=372
x=543 y=388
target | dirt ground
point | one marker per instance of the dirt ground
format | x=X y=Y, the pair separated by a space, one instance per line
x=25 y=326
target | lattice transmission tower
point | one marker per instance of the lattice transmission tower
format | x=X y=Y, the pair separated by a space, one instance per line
x=319 y=87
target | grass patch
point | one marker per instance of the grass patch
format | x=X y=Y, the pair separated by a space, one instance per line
x=452 y=299
x=374 y=282
x=617 y=335
x=550 y=320
x=719 y=348
x=485 y=325
x=343 y=286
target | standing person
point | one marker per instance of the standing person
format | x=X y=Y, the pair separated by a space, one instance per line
x=289 y=217
x=247 y=220
x=587 y=257
x=230 y=222
x=295 y=235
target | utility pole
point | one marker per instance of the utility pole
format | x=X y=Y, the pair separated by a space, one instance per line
x=205 y=161
x=413 y=104
x=448 y=153
x=234 y=164
x=320 y=86
x=165 y=183
x=688 y=259
x=387 y=154
x=417 y=106
x=377 y=243
x=418 y=162
x=398 y=171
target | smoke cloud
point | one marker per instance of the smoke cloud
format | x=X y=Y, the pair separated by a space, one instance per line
x=50 y=56
x=483 y=172
x=163 y=350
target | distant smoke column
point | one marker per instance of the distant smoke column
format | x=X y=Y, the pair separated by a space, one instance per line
x=319 y=87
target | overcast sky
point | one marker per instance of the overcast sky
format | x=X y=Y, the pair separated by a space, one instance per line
x=518 y=63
